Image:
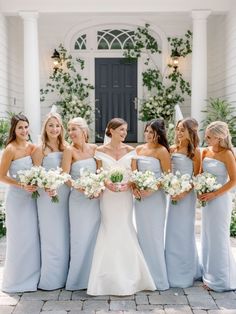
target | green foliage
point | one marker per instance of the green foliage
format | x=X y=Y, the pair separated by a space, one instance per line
x=4 y=131
x=220 y=110
x=2 y=221
x=233 y=220
x=143 y=41
x=165 y=90
x=181 y=47
x=70 y=87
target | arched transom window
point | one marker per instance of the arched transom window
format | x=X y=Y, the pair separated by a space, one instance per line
x=80 y=43
x=115 y=39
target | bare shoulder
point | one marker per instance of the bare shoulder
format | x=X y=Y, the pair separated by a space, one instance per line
x=229 y=155
x=162 y=152
x=172 y=148
x=93 y=146
x=101 y=148
x=128 y=148
x=68 y=149
x=139 y=148
x=197 y=152
x=38 y=149
x=9 y=151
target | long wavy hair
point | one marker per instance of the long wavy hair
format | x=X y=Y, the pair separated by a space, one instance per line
x=191 y=125
x=14 y=120
x=158 y=127
x=44 y=137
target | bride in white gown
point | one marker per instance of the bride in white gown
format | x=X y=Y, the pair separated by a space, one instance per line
x=118 y=266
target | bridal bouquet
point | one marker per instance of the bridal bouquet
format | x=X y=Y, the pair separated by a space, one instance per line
x=31 y=177
x=91 y=183
x=204 y=183
x=144 y=180
x=175 y=184
x=118 y=176
x=51 y=180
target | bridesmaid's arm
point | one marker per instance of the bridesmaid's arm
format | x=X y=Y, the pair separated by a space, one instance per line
x=6 y=160
x=66 y=162
x=164 y=157
x=197 y=162
x=37 y=156
x=230 y=163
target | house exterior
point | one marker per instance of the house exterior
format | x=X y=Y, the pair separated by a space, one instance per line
x=96 y=31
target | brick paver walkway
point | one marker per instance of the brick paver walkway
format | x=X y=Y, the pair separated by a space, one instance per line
x=173 y=301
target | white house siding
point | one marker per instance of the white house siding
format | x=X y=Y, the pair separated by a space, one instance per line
x=64 y=28
x=222 y=56
x=11 y=66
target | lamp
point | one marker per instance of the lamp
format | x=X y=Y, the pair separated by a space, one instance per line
x=175 y=59
x=56 y=59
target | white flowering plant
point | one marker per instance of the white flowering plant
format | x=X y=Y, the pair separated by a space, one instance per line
x=144 y=180
x=204 y=183
x=31 y=176
x=175 y=184
x=52 y=179
x=92 y=184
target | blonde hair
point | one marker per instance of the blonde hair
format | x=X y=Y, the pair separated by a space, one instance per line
x=82 y=124
x=44 y=136
x=220 y=129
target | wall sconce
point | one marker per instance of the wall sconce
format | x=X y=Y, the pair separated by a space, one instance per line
x=175 y=59
x=56 y=60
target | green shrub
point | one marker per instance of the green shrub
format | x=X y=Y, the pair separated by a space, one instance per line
x=2 y=221
x=233 y=220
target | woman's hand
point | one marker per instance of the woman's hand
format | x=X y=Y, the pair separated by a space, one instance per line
x=146 y=193
x=30 y=188
x=117 y=187
x=50 y=192
x=206 y=197
x=179 y=197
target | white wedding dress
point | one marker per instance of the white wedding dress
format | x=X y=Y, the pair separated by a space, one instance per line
x=118 y=266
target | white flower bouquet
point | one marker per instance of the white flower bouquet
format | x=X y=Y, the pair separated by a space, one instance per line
x=31 y=177
x=175 y=184
x=144 y=180
x=91 y=183
x=204 y=183
x=51 y=180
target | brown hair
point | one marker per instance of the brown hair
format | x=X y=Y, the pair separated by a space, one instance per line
x=191 y=125
x=114 y=124
x=158 y=127
x=14 y=120
x=44 y=137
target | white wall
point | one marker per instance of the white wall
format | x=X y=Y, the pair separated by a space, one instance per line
x=11 y=75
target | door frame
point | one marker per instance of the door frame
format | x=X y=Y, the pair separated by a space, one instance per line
x=116 y=54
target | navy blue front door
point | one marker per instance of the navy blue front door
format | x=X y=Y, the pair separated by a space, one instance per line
x=115 y=93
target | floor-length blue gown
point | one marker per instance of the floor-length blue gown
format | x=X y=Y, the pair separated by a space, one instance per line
x=150 y=215
x=219 y=266
x=54 y=231
x=181 y=252
x=22 y=265
x=84 y=224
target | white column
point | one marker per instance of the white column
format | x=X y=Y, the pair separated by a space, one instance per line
x=31 y=72
x=199 y=63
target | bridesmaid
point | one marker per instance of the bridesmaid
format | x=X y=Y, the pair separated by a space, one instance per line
x=84 y=213
x=181 y=252
x=151 y=211
x=219 y=266
x=53 y=217
x=22 y=265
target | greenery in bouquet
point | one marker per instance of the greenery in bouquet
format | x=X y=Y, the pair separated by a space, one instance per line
x=2 y=220
x=233 y=219
x=70 y=87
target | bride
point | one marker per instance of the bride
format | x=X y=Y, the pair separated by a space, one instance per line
x=118 y=266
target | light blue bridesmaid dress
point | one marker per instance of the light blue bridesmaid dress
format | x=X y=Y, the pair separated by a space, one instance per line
x=54 y=231
x=150 y=215
x=84 y=224
x=22 y=265
x=219 y=266
x=180 y=246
